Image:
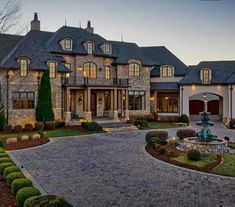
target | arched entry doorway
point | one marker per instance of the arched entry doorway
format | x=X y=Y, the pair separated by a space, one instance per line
x=213 y=103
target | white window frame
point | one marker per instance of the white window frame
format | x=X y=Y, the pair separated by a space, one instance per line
x=24 y=68
x=167 y=71
x=107 y=48
x=70 y=45
x=90 y=47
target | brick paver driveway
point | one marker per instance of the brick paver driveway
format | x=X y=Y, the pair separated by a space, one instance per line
x=114 y=170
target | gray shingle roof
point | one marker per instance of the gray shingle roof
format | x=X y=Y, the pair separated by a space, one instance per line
x=162 y=56
x=164 y=85
x=223 y=72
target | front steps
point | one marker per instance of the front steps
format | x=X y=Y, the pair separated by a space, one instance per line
x=118 y=127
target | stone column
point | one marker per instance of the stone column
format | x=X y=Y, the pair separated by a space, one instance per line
x=111 y=107
x=126 y=105
x=87 y=104
x=155 y=101
x=115 y=111
x=67 y=109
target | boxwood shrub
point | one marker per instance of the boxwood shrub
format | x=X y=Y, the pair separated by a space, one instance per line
x=162 y=135
x=153 y=141
x=5 y=159
x=24 y=193
x=184 y=119
x=3 y=154
x=1 y=143
x=28 y=127
x=91 y=126
x=162 y=150
x=232 y=124
x=28 y=202
x=1 y=150
x=39 y=126
x=10 y=169
x=194 y=155
x=19 y=183
x=50 y=125
x=4 y=165
x=185 y=133
x=12 y=176
x=141 y=124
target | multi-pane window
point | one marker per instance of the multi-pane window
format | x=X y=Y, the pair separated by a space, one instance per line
x=89 y=47
x=167 y=102
x=206 y=76
x=23 y=67
x=134 y=69
x=23 y=100
x=136 y=100
x=68 y=44
x=167 y=71
x=52 y=69
x=89 y=70
x=107 y=72
x=107 y=48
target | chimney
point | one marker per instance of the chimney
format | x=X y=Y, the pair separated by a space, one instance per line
x=35 y=23
x=89 y=28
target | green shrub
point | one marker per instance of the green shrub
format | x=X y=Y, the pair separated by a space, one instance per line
x=141 y=123
x=185 y=133
x=14 y=175
x=173 y=143
x=42 y=135
x=10 y=169
x=2 y=120
x=19 y=183
x=5 y=159
x=50 y=125
x=162 y=135
x=232 y=124
x=1 y=143
x=60 y=124
x=153 y=141
x=162 y=150
x=194 y=155
x=156 y=146
x=91 y=126
x=18 y=128
x=24 y=193
x=1 y=150
x=184 y=119
x=3 y=154
x=28 y=202
x=39 y=126
x=4 y=165
x=7 y=128
x=28 y=127
x=48 y=201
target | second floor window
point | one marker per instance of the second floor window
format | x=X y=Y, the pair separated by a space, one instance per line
x=107 y=73
x=68 y=44
x=167 y=71
x=23 y=100
x=134 y=69
x=90 y=70
x=206 y=76
x=23 y=67
x=52 y=69
x=107 y=48
x=89 y=47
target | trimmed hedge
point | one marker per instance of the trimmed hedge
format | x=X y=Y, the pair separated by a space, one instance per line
x=141 y=123
x=1 y=143
x=19 y=183
x=60 y=124
x=50 y=125
x=194 y=155
x=18 y=128
x=232 y=124
x=162 y=135
x=162 y=150
x=5 y=159
x=4 y=165
x=28 y=202
x=7 y=128
x=184 y=119
x=12 y=176
x=24 y=193
x=1 y=150
x=185 y=133
x=39 y=126
x=153 y=141
x=28 y=127
x=91 y=126
x=10 y=169
x=3 y=154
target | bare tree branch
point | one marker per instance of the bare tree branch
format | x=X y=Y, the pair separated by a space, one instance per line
x=10 y=15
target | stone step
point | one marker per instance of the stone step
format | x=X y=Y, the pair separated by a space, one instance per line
x=120 y=129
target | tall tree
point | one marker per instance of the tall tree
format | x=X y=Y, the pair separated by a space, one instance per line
x=44 y=111
x=2 y=113
x=10 y=14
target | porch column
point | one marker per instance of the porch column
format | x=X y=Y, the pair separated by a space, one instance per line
x=111 y=107
x=67 y=109
x=87 y=104
x=126 y=105
x=155 y=101
x=115 y=111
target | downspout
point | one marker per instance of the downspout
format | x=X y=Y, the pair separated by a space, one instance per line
x=182 y=95
x=7 y=115
x=62 y=97
x=231 y=102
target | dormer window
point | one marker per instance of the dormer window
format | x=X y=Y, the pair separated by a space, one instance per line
x=52 y=69
x=166 y=71
x=90 y=47
x=134 y=69
x=107 y=48
x=68 y=44
x=24 y=66
x=206 y=76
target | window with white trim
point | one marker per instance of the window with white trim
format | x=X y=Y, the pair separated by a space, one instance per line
x=107 y=48
x=68 y=44
x=52 y=69
x=90 y=47
x=24 y=67
x=134 y=69
x=205 y=76
x=166 y=71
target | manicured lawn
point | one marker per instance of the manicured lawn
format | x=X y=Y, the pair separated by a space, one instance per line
x=206 y=159
x=231 y=144
x=227 y=167
x=161 y=125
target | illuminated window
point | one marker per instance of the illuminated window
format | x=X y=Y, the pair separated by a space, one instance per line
x=167 y=102
x=24 y=67
x=205 y=76
x=23 y=100
x=134 y=69
x=90 y=47
x=167 y=71
x=107 y=48
x=68 y=44
x=136 y=100
x=52 y=69
x=107 y=73
x=90 y=70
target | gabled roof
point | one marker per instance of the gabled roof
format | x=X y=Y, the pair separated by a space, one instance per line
x=223 y=72
x=160 y=55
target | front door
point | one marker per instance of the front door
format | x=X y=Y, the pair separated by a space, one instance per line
x=93 y=104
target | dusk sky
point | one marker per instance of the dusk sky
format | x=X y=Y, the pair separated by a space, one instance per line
x=194 y=30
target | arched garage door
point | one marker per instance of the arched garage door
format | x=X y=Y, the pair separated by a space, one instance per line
x=213 y=107
x=195 y=107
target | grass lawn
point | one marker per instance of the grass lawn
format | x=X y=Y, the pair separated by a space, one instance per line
x=227 y=167
x=161 y=125
x=231 y=144
x=206 y=159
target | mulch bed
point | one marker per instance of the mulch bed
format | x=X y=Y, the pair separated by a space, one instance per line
x=25 y=144
x=167 y=158
x=7 y=199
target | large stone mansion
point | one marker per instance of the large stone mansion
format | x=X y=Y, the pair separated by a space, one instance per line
x=93 y=77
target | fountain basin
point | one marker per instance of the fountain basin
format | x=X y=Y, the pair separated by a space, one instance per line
x=215 y=146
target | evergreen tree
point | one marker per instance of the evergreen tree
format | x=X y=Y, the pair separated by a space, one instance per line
x=44 y=111
x=2 y=114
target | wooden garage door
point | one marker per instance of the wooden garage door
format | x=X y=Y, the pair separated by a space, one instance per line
x=195 y=107
x=213 y=107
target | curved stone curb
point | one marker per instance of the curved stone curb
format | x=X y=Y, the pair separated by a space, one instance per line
x=186 y=169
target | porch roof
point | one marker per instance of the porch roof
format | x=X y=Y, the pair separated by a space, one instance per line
x=165 y=86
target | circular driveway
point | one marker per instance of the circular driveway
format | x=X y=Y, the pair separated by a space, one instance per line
x=114 y=170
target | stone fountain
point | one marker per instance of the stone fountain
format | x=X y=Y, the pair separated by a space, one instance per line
x=205 y=142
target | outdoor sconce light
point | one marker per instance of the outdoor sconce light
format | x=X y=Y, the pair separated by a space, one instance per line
x=79 y=68
x=67 y=75
x=100 y=100
x=9 y=73
x=152 y=98
x=80 y=100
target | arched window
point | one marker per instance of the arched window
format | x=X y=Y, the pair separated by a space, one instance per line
x=68 y=44
x=134 y=69
x=107 y=72
x=167 y=71
x=205 y=76
x=90 y=47
x=24 y=66
x=90 y=70
x=52 y=69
